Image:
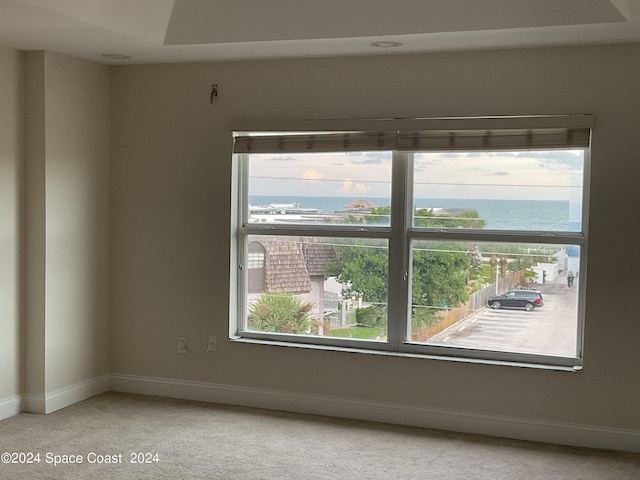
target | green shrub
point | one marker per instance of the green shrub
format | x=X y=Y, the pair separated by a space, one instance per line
x=373 y=316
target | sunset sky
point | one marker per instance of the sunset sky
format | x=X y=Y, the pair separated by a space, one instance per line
x=537 y=175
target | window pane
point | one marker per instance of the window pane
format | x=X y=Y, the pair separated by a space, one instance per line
x=511 y=297
x=520 y=190
x=320 y=286
x=324 y=188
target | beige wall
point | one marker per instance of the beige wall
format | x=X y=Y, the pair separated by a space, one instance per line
x=169 y=192
x=34 y=232
x=11 y=76
x=67 y=217
x=171 y=184
x=77 y=192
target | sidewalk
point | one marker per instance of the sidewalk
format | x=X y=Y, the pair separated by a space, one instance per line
x=557 y=286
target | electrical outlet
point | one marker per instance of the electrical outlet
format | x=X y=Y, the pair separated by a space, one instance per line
x=213 y=344
x=182 y=345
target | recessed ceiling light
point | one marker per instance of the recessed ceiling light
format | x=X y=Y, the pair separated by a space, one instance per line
x=115 y=56
x=386 y=44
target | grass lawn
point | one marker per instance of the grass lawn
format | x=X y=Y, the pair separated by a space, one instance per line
x=356 y=332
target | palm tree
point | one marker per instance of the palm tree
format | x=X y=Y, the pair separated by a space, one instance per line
x=281 y=313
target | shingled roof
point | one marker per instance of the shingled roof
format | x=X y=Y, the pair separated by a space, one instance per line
x=317 y=255
x=290 y=262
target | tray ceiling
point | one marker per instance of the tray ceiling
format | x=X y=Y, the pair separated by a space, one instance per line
x=209 y=30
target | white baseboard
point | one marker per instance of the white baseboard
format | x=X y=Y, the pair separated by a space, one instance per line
x=500 y=426
x=9 y=407
x=76 y=393
x=65 y=397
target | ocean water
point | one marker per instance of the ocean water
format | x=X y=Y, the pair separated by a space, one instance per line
x=548 y=215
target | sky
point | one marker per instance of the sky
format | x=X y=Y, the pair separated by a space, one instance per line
x=536 y=175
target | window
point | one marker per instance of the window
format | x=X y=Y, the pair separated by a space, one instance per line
x=255 y=266
x=449 y=237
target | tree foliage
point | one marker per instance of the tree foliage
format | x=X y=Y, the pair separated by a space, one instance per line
x=373 y=316
x=363 y=269
x=423 y=317
x=424 y=217
x=281 y=313
x=439 y=278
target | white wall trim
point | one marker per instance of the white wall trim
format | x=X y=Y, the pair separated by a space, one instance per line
x=10 y=407
x=500 y=426
x=76 y=393
x=65 y=397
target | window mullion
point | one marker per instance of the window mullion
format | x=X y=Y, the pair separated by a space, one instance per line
x=399 y=250
x=347 y=231
x=514 y=236
x=583 y=257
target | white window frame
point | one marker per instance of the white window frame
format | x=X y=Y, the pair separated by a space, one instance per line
x=400 y=234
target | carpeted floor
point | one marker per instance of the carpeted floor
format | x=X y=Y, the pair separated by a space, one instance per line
x=184 y=440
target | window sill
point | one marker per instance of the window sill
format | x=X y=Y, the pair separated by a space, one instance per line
x=413 y=355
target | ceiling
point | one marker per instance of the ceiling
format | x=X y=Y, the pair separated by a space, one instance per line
x=161 y=31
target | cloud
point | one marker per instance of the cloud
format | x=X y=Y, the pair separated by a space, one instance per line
x=499 y=174
x=282 y=159
x=369 y=158
x=428 y=160
x=348 y=186
x=312 y=174
x=558 y=158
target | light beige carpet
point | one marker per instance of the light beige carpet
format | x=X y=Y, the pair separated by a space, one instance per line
x=209 y=441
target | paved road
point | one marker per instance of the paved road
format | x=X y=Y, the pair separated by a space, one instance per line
x=550 y=329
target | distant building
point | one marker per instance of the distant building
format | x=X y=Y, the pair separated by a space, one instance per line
x=281 y=209
x=360 y=204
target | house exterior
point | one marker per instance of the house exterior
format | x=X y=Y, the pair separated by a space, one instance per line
x=291 y=266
